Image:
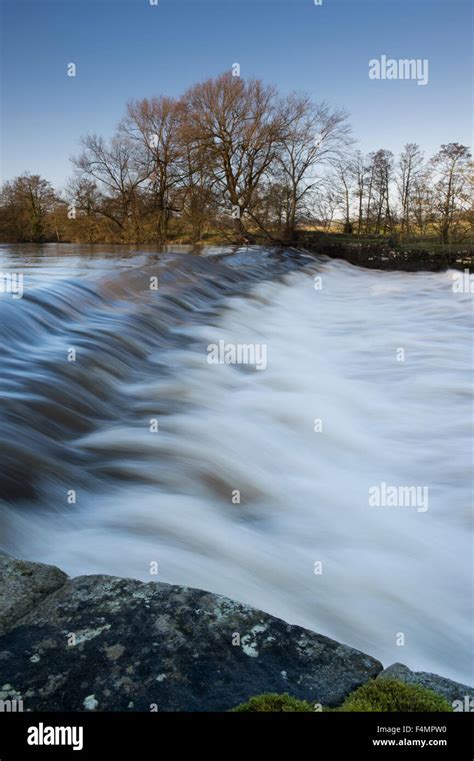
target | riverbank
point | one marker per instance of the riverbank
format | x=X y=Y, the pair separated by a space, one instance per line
x=386 y=254
x=103 y=643
x=380 y=253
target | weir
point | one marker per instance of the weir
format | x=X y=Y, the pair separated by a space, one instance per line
x=165 y=494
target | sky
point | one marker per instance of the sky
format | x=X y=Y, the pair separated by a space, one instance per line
x=125 y=49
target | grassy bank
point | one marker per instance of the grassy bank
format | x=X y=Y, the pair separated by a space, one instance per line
x=388 y=253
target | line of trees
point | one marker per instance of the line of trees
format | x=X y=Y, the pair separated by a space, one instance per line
x=237 y=159
x=411 y=197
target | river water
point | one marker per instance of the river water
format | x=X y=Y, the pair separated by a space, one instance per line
x=125 y=451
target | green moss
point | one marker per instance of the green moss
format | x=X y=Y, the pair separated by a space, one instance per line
x=379 y=695
x=392 y=695
x=271 y=702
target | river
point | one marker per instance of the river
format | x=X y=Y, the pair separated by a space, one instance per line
x=126 y=451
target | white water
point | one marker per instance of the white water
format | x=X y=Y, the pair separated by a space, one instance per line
x=331 y=355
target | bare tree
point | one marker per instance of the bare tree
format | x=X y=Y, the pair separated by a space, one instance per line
x=410 y=166
x=344 y=177
x=86 y=201
x=198 y=202
x=327 y=200
x=153 y=125
x=422 y=202
x=236 y=126
x=379 y=215
x=359 y=171
x=118 y=170
x=312 y=136
x=451 y=166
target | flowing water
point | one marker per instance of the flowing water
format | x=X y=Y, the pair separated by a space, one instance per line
x=89 y=484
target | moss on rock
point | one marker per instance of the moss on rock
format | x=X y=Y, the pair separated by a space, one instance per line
x=392 y=695
x=381 y=695
x=272 y=702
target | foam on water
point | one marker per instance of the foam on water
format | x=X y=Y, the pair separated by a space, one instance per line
x=331 y=355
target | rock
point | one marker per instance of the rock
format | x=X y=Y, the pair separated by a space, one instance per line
x=22 y=586
x=439 y=684
x=101 y=643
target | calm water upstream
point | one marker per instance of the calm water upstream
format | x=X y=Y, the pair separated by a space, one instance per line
x=166 y=496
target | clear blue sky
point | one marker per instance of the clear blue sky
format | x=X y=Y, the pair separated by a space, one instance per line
x=128 y=49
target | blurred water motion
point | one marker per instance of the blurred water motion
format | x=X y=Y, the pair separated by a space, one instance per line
x=166 y=497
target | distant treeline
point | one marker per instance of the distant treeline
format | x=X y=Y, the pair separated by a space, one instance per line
x=236 y=159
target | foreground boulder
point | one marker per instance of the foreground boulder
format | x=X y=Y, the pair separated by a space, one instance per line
x=446 y=688
x=108 y=644
x=24 y=585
